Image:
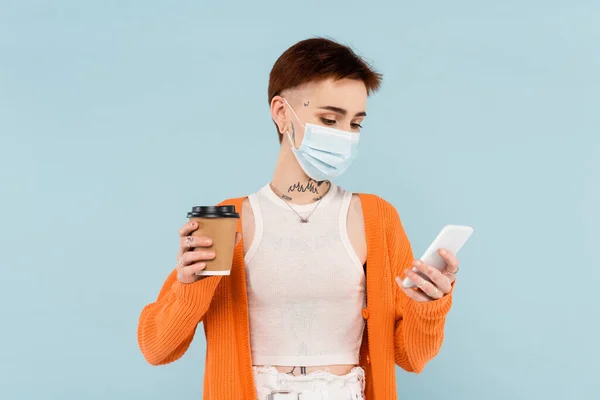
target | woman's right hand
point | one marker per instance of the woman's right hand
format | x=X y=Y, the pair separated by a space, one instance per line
x=190 y=261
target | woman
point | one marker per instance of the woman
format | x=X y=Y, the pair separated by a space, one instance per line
x=298 y=318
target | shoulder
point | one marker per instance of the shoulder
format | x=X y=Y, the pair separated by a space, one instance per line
x=376 y=205
x=234 y=201
x=378 y=211
x=241 y=204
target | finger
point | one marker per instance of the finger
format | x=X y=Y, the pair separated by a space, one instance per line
x=416 y=295
x=188 y=228
x=238 y=238
x=451 y=260
x=424 y=285
x=415 y=277
x=181 y=252
x=180 y=263
x=412 y=292
x=192 y=269
x=451 y=277
x=190 y=257
x=441 y=281
x=187 y=242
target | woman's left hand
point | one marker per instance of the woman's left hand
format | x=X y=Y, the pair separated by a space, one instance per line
x=440 y=284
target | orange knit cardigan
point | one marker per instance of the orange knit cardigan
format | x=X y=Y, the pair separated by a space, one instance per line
x=399 y=331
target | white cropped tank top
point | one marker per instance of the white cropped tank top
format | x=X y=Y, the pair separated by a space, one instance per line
x=305 y=283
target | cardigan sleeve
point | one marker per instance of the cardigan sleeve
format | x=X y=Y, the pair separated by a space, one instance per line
x=419 y=326
x=167 y=326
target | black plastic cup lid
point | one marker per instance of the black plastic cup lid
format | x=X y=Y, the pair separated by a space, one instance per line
x=213 y=212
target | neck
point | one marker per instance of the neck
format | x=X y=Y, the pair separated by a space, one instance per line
x=292 y=184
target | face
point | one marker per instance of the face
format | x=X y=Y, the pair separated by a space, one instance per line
x=337 y=104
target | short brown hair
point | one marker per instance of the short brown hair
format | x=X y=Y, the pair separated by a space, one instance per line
x=318 y=59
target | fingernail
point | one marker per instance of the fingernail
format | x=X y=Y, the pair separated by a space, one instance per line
x=202 y=265
x=443 y=252
x=208 y=242
x=416 y=263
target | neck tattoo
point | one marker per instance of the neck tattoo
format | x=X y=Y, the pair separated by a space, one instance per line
x=317 y=188
x=287 y=199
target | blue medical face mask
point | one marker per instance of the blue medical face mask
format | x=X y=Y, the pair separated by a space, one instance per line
x=325 y=152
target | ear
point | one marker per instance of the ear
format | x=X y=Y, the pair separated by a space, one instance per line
x=279 y=114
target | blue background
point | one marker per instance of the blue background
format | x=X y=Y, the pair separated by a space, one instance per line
x=117 y=116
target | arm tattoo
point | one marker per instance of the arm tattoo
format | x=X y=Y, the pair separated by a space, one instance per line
x=306 y=104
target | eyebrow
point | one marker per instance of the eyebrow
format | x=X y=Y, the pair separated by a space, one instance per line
x=342 y=111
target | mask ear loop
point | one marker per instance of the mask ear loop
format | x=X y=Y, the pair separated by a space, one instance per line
x=295 y=115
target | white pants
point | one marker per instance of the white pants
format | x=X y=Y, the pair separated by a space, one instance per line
x=317 y=385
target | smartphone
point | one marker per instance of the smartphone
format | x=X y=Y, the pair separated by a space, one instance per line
x=452 y=238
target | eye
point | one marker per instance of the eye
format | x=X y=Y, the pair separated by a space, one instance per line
x=328 y=121
x=356 y=126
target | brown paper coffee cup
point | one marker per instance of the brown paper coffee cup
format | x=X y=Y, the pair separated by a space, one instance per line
x=218 y=223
